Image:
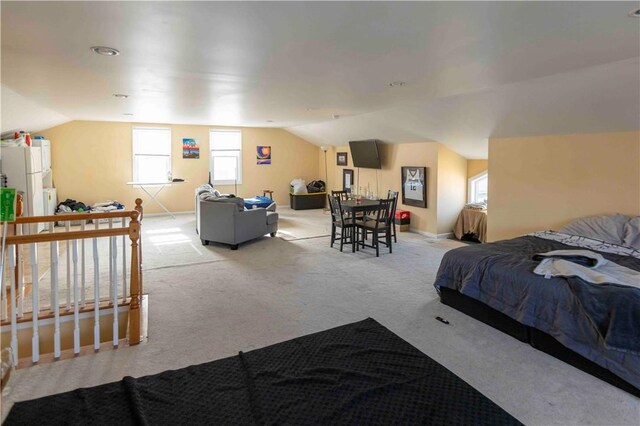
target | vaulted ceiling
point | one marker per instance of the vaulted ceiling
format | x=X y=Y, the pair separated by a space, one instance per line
x=471 y=70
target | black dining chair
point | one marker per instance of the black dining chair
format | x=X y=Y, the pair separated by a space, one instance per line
x=343 y=195
x=393 y=195
x=378 y=223
x=338 y=220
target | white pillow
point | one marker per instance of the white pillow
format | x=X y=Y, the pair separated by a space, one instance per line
x=609 y=229
x=632 y=233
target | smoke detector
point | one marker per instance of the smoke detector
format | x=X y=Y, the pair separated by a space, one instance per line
x=105 y=51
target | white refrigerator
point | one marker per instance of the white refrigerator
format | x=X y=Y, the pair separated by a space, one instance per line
x=23 y=167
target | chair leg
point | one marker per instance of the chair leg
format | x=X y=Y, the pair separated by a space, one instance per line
x=395 y=233
x=388 y=235
x=376 y=242
x=342 y=235
x=333 y=234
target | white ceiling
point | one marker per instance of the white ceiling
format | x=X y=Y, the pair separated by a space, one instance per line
x=473 y=70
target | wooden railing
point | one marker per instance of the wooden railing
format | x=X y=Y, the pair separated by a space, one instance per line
x=82 y=272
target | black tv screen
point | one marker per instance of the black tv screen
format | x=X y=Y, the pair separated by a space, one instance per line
x=365 y=154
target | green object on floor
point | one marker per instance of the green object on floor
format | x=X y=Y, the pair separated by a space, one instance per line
x=7 y=204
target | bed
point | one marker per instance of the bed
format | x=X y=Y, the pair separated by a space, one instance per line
x=593 y=327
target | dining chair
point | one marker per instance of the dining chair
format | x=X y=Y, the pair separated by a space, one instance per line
x=379 y=225
x=393 y=195
x=338 y=220
x=343 y=195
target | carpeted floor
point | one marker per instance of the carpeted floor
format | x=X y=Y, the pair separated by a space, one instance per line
x=210 y=302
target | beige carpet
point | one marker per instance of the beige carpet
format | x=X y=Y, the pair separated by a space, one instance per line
x=300 y=224
x=215 y=302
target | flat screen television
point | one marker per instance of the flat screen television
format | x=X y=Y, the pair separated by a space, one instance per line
x=365 y=154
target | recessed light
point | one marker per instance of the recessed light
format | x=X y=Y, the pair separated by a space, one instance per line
x=128 y=114
x=269 y=121
x=397 y=83
x=120 y=96
x=635 y=13
x=105 y=51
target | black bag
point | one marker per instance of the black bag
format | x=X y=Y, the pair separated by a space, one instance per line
x=315 y=186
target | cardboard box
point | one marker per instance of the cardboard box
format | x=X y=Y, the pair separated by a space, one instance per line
x=402 y=228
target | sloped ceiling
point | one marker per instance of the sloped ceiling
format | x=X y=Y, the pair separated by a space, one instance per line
x=472 y=70
x=20 y=113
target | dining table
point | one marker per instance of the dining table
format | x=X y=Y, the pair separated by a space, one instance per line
x=353 y=206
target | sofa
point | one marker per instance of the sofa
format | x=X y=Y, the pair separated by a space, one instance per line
x=225 y=220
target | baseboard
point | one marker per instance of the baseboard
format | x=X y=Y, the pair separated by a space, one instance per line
x=432 y=235
x=167 y=214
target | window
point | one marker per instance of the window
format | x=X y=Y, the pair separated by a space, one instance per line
x=478 y=188
x=151 y=154
x=225 y=162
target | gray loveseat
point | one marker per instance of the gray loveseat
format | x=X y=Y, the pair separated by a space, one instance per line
x=224 y=220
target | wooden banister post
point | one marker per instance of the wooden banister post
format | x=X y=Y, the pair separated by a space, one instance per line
x=136 y=295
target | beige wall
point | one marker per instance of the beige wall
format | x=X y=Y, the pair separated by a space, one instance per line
x=92 y=161
x=539 y=183
x=475 y=167
x=452 y=187
x=451 y=191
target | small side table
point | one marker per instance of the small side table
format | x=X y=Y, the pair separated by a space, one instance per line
x=267 y=191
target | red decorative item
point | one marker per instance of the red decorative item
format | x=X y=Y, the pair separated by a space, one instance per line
x=403 y=217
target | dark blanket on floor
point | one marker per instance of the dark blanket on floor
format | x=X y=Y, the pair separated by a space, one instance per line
x=360 y=373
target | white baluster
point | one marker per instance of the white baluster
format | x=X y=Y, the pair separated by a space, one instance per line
x=110 y=262
x=82 y=266
x=14 y=322
x=56 y=302
x=35 y=340
x=2 y=271
x=96 y=293
x=20 y=265
x=124 y=262
x=76 y=312
x=67 y=228
x=51 y=296
x=114 y=297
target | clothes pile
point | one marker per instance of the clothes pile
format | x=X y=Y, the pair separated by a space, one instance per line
x=72 y=206
x=107 y=206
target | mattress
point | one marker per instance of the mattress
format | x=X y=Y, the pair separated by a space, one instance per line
x=501 y=276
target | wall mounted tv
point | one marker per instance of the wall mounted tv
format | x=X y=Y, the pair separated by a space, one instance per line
x=365 y=154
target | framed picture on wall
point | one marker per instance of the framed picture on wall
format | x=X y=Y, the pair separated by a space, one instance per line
x=190 y=148
x=342 y=158
x=347 y=180
x=263 y=155
x=414 y=186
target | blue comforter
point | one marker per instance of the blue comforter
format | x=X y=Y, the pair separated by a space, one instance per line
x=600 y=322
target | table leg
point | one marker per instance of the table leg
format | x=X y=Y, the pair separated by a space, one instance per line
x=154 y=198
x=354 y=232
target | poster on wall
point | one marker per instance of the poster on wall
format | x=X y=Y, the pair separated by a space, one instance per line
x=341 y=158
x=347 y=180
x=263 y=155
x=190 y=148
x=414 y=186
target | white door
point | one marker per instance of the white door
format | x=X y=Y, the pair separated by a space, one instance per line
x=35 y=197
x=33 y=159
x=46 y=156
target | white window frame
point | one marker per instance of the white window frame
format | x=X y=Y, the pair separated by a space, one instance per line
x=134 y=172
x=237 y=153
x=471 y=189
